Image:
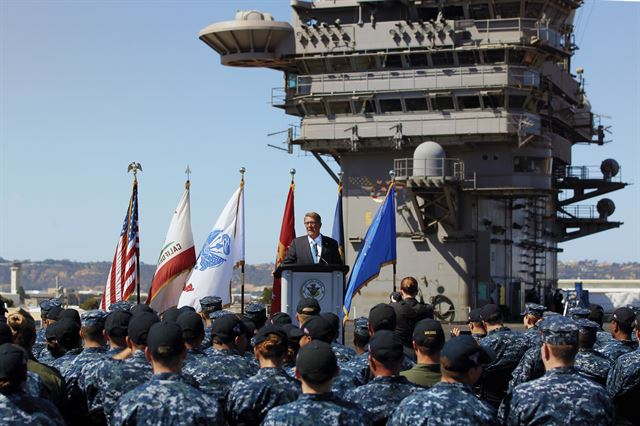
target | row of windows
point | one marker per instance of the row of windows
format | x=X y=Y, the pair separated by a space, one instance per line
x=420 y=60
x=440 y=102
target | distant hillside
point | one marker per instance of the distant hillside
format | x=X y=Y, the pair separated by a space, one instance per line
x=88 y=275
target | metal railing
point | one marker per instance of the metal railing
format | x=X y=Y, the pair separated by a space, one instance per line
x=529 y=28
x=452 y=168
x=584 y=173
x=578 y=212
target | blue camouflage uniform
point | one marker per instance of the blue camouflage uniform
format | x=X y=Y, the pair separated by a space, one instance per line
x=602 y=338
x=561 y=396
x=45 y=357
x=509 y=348
x=249 y=401
x=358 y=367
x=623 y=384
x=117 y=378
x=35 y=405
x=12 y=415
x=166 y=400
x=317 y=409
x=381 y=396
x=614 y=348
x=207 y=341
x=529 y=368
x=593 y=364
x=41 y=342
x=532 y=337
x=63 y=364
x=222 y=369
x=194 y=356
x=343 y=353
x=443 y=404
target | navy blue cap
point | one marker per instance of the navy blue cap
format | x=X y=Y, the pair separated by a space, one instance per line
x=319 y=328
x=228 y=327
x=13 y=362
x=66 y=331
x=624 y=316
x=361 y=326
x=577 y=313
x=122 y=305
x=386 y=346
x=294 y=333
x=191 y=323
x=534 y=309
x=382 y=317
x=463 y=352
x=165 y=339
x=281 y=318
x=491 y=312
x=269 y=329
x=142 y=307
x=71 y=314
x=316 y=357
x=117 y=323
x=333 y=319
x=6 y=335
x=474 y=315
x=308 y=306
x=429 y=333
x=171 y=314
x=54 y=313
x=559 y=330
x=139 y=325
x=95 y=318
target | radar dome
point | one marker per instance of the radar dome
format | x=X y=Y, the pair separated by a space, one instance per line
x=609 y=168
x=429 y=160
x=605 y=207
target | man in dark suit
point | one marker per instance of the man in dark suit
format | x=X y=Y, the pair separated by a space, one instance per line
x=314 y=247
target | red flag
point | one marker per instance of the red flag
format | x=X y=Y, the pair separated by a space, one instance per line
x=287 y=234
x=123 y=275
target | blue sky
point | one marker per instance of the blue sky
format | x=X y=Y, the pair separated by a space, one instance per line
x=88 y=86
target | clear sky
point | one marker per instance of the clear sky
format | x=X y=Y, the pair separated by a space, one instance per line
x=86 y=87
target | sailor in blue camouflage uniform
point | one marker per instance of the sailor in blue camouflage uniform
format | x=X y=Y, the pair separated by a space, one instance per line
x=596 y=314
x=193 y=333
x=508 y=346
x=121 y=305
x=249 y=401
x=50 y=352
x=452 y=400
x=590 y=363
x=13 y=374
x=67 y=335
x=166 y=398
x=343 y=353
x=41 y=339
x=226 y=363
x=578 y=312
x=623 y=383
x=116 y=378
x=621 y=330
x=11 y=415
x=531 y=316
x=384 y=392
x=562 y=395
x=209 y=305
x=316 y=366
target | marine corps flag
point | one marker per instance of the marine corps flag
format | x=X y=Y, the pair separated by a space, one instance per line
x=177 y=257
x=287 y=234
x=222 y=251
x=123 y=274
x=378 y=249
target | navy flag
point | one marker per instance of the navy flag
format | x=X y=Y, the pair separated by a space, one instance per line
x=378 y=249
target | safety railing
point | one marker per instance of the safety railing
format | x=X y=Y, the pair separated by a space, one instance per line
x=452 y=168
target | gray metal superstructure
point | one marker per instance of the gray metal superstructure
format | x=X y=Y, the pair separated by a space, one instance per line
x=471 y=104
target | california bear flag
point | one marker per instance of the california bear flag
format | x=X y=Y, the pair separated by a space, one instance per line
x=177 y=257
x=221 y=252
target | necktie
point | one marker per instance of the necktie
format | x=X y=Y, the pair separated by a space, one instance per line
x=315 y=252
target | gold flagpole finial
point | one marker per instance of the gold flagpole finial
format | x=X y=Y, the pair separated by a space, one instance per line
x=134 y=167
x=187 y=184
x=242 y=172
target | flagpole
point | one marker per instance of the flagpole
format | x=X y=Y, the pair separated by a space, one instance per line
x=242 y=171
x=393 y=182
x=135 y=167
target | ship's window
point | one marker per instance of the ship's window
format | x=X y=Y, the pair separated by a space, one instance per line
x=418 y=60
x=315 y=65
x=314 y=108
x=364 y=63
x=340 y=107
x=517 y=101
x=416 y=104
x=479 y=11
x=453 y=12
x=390 y=105
x=507 y=10
x=492 y=56
x=467 y=57
x=304 y=85
x=442 y=59
x=393 y=61
x=364 y=107
x=516 y=56
x=531 y=165
x=428 y=13
x=532 y=9
x=468 y=102
x=340 y=64
x=442 y=103
x=493 y=101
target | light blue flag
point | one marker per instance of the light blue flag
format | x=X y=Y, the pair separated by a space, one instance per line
x=378 y=249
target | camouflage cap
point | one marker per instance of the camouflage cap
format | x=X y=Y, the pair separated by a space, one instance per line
x=361 y=326
x=559 y=330
x=587 y=326
x=95 y=318
x=120 y=306
x=548 y=314
x=534 y=309
x=219 y=314
x=577 y=313
x=46 y=305
x=211 y=304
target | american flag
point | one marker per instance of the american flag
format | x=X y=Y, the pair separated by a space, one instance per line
x=123 y=274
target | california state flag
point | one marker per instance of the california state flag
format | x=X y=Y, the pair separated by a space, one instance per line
x=221 y=252
x=177 y=257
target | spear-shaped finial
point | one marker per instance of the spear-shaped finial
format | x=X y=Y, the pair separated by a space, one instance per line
x=188 y=173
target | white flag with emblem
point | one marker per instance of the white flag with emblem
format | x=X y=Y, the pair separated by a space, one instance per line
x=221 y=252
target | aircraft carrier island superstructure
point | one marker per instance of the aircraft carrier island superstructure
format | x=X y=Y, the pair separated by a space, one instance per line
x=473 y=106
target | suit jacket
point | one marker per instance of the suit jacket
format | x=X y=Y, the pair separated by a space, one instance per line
x=299 y=252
